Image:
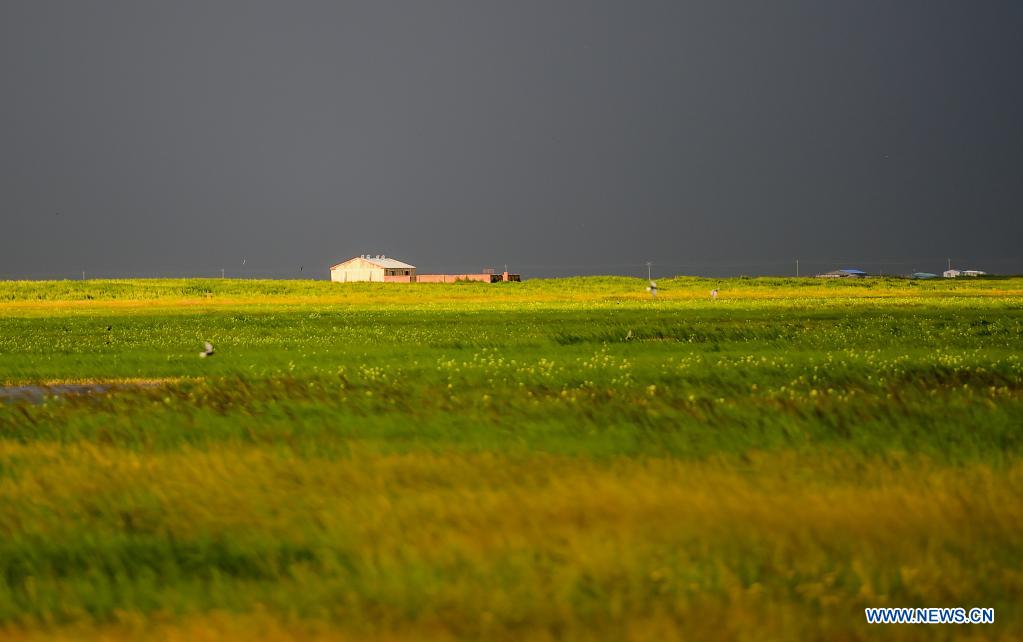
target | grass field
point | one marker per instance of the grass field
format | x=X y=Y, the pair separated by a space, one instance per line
x=549 y=460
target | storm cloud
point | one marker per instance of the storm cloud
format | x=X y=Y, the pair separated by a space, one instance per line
x=179 y=138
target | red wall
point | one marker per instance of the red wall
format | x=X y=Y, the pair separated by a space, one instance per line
x=451 y=278
x=446 y=278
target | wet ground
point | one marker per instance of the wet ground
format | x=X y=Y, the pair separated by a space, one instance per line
x=37 y=394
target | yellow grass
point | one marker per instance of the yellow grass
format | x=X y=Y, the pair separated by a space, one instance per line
x=677 y=540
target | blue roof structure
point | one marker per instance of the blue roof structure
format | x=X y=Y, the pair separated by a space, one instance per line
x=853 y=271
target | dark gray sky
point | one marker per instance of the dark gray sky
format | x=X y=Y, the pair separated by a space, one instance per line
x=559 y=137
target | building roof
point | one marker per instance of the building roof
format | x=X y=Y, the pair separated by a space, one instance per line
x=849 y=273
x=852 y=271
x=379 y=261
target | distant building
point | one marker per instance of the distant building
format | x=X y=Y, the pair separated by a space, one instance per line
x=381 y=269
x=923 y=275
x=373 y=268
x=951 y=274
x=847 y=273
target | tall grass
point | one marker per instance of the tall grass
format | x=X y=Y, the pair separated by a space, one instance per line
x=462 y=462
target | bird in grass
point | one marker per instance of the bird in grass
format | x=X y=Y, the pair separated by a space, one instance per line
x=652 y=289
x=208 y=352
x=628 y=337
x=714 y=294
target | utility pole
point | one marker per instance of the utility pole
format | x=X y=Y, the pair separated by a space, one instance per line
x=83 y=275
x=649 y=265
x=221 y=272
x=950 y=263
x=797 y=268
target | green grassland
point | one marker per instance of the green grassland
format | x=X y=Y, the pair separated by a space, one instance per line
x=565 y=459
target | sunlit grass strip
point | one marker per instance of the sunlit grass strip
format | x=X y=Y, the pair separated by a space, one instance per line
x=247 y=292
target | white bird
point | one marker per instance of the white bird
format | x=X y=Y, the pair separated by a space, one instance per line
x=628 y=337
x=652 y=289
x=714 y=294
x=208 y=352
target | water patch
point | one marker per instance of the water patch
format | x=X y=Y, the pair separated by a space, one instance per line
x=36 y=394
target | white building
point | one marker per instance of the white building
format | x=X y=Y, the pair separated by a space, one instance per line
x=377 y=268
x=951 y=274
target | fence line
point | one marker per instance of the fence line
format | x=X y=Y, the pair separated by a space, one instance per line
x=766 y=267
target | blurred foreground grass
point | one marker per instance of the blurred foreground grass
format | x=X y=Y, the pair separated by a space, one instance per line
x=564 y=460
